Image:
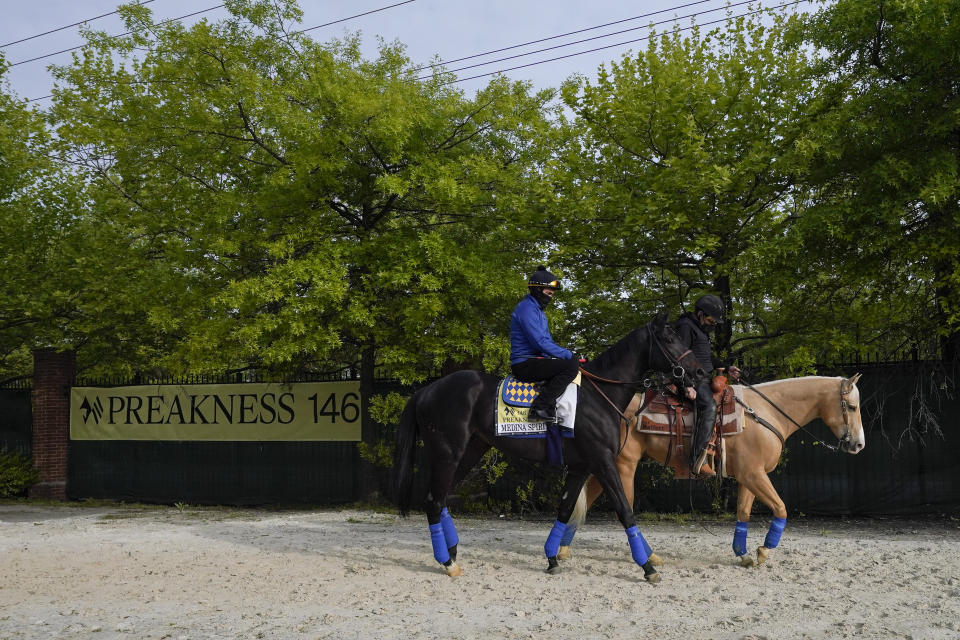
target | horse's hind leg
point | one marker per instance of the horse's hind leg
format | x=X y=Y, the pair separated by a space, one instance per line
x=441 y=479
x=571 y=492
x=475 y=450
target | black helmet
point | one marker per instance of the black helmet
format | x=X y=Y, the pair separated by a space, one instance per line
x=543 y=278
x=711 y=306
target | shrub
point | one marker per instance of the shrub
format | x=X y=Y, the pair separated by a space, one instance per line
x=16 y=474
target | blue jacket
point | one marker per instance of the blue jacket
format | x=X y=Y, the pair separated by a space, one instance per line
x=529 y=334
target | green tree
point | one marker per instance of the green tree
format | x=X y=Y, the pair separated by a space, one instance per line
x=39 y=234
x=684 y=176
x=290 y=205
x=884 y=155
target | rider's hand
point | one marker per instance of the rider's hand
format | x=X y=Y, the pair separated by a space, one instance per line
x=690 y=392
x=734 y=371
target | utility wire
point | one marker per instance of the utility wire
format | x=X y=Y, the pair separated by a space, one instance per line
x=563 y=57
x=563 y=35
x=326 y=24
x=56 y=53
x=619 y=44
x=569 y=44
x=359 y=15
x=75 y=24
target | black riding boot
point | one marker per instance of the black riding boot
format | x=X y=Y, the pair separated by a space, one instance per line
x=703 y=425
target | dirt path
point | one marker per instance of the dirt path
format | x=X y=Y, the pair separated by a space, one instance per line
x=84 y=572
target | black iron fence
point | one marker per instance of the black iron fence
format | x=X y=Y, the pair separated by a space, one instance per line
x=911 y=463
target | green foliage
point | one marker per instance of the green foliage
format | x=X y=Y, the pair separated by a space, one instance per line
x=680 y=178
x=16 y=474
x=290 y=205
x=379 y=453
x=386 y=409
x=883 y=171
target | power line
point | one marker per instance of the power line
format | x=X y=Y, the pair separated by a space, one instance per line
x=619 y=44
x=56 y=53
x=326 y=24
x=359 y=15
x=531 y=64
x=569 y=44
x=75 y=24
x=563 y=35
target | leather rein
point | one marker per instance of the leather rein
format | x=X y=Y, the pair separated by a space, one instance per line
x=645 y=382
x=844 y=406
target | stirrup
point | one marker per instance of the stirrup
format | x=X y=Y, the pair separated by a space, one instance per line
x=702 y=467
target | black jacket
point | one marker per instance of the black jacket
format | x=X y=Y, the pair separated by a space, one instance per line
x=696 y=339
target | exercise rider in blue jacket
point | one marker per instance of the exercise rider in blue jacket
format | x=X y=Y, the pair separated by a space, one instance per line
x=534 y=356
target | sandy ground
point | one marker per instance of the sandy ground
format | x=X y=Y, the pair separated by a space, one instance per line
x=126 y=572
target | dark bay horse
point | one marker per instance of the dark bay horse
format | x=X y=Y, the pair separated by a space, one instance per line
x=785 y=405
x=455 y=418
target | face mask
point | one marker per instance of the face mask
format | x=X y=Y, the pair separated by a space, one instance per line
x=542 y=299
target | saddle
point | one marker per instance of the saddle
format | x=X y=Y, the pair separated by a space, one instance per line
x=665 y=413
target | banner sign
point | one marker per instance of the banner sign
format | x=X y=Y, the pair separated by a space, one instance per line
x=299 y=411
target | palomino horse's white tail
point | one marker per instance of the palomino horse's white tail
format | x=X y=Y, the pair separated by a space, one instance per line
x=579 y=511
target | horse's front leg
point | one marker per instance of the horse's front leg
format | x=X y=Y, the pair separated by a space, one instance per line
x=571 y=492
x=639 y=548
x=759 y=485
x=627 y=467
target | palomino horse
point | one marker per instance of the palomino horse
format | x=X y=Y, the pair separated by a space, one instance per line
x=455 y=417
x=786 y=405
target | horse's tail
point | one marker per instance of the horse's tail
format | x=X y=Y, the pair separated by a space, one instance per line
x=579 y=514
x=404 y=453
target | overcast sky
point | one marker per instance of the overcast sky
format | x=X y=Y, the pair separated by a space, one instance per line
x=449 y=29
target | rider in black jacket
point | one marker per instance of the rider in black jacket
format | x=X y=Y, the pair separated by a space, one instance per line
x=694 y=329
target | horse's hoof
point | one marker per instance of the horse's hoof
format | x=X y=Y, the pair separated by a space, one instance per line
x=563 y=553
x=453 y=570
x=655 y=560
x=747 y=561
x=762 y=554
x=553 y=570
x=653 y=577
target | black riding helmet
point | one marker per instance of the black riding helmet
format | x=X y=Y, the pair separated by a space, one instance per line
x=540 y=280
x=711 y=306
x=543 y=278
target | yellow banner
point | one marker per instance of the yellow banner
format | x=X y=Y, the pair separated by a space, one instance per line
x=299 y=411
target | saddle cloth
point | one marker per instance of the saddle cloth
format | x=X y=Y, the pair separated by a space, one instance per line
x=513 y=409
x=665 y=414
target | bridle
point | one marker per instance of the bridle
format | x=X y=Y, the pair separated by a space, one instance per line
x=678 y=372
x=846 y=388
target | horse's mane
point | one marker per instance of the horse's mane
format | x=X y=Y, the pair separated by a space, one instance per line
x=621 y=348
x=781 y=380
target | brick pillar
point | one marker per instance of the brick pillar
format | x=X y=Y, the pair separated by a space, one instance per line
x=53 y=374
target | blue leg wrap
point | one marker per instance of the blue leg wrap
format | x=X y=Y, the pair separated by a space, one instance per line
x=638 y=546
x=439 y=543
x=740 y=538
x=773 y=535
x=568 y=536
x=552 y=546
x=449 y=531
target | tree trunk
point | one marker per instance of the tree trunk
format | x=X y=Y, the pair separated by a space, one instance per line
x=368 y=486
x=721 y=285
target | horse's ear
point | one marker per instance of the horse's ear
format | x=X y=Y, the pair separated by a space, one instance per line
x=660 y=320
x=846 y=386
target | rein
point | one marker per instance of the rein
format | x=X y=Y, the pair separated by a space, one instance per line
x=754 y=415
x=678 y=372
